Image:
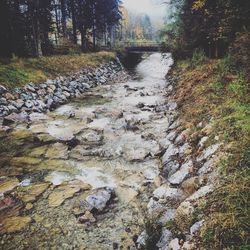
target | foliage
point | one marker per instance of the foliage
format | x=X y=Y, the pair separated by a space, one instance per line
x=240 y=49
x=207 y=24
x=33 y=28
x=198 y=57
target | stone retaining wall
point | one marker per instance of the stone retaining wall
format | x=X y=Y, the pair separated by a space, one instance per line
x=18 y=104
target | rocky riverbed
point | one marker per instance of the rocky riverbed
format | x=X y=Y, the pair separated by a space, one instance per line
x=92 y=173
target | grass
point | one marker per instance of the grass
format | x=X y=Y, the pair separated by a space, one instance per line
x=17 y=72
x=215 y=91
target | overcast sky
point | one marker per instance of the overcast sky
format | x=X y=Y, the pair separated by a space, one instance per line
x=151 y=7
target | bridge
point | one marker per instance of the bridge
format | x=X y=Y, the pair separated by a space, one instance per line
x=138 y=47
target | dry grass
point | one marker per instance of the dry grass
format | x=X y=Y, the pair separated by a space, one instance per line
x=211 y=90
x=19 y=71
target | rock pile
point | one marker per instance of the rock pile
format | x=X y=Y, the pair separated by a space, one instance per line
x=17 y=105
x=186 y=180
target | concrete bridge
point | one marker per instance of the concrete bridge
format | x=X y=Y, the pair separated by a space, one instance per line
x=142 y=47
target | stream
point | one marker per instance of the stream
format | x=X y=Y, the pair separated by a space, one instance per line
x=80 y=177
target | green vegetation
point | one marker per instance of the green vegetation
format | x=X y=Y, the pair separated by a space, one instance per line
x=217 y=89
x=17 y=72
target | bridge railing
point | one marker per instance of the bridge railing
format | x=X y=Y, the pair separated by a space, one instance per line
x=141 y=44
x=127 y=44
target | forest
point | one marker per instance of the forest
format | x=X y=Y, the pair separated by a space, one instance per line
x=215 y=27
x=34 y=27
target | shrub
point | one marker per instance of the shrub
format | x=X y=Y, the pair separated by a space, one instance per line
x=240 y=49
x=198 y=58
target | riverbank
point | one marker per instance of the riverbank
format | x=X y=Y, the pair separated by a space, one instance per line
x=17 y=104
x=17 y=72
x=213 y=127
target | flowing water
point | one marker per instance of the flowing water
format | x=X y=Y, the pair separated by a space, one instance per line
x=109 y=139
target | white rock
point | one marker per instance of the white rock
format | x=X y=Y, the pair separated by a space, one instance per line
x=165 y=192
x=207 y=167
x=207 y=153
x=142 y=239
x=171 y=136
x=201 y=193
x=174 y=244
x=196 y=227
x=165 y=238
x=181 y=174
x=202 y=141
x=170 y=153
x=99 y=198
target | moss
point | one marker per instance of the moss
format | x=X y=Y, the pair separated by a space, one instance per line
x=17 y=72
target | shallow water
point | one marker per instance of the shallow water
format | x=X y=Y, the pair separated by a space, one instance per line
x=107 y=138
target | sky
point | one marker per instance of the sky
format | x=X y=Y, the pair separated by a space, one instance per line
x=152 y=7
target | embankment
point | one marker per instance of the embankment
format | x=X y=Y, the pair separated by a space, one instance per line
x=73 y=78
x=206 y=161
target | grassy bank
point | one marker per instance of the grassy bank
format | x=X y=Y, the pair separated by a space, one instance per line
x=214 y=92
x=16 y=72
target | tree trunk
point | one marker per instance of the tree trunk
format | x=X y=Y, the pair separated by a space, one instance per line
x=216 y=49
x=74 y=22
x=64 y=21
x=83 y=40
x=57 y=20
x=94 y=26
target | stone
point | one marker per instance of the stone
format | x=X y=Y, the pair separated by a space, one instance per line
x=3 y=101
x=88 y=217
x=165 y=192
x=171 y=136
x=31 y=193
x=126 y=194
x=142 y=240
x=203 y=141
x=91 y=137
x=165 y=239
x=12 y=118
x=99 y=198
x=170 y=153
x=175 y=124
x=182 y=137
x=155 y=208
x=184 y=171
x=184 y=215
x=9 y=96
x=157 y=181
x=188 y=246
x=196 y=227
x=25 y=183
x=167 y=216
x=29 y=206
x=19 y=103
x=135 y=154
x=185 y=149
x=29 y=104
x=14 y=224
x=203 y=191
x=207 y=166
x=8 y=184
x=65 y=191
x=170 y=168
x=57 y=151
x=165 y=143
x=174 y=245
x=172 y=106
x=190 y=185
x=209 y=152
x=2 y=89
